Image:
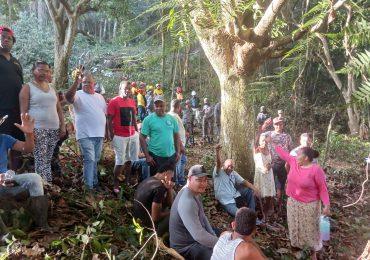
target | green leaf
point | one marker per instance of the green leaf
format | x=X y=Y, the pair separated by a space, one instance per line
x=85 y=239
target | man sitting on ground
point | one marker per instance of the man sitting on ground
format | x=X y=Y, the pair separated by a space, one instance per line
x=156 y=194
x=38 y=203
x=191 y=235
x=239 y=244
x=232 y=190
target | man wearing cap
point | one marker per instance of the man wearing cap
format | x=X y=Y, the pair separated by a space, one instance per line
x=163 y=131
x=232 y=190
x=207 y=121
x=279 y=137
x=122 y=130
x=149 y=101
x=191 y=234
x=11 y=76
x=158 y=91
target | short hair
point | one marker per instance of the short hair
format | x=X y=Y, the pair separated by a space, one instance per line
x=166 y=167
x=245 y=221
x=39 y=62
x=175 y=103
x=310 y=153
x=307 y=135
x=88 y=74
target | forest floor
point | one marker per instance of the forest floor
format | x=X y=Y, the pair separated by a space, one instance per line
x=101 y=226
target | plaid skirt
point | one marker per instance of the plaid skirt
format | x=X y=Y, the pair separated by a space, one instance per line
x=304 y=224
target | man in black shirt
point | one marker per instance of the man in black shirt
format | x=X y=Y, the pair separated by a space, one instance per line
x=11 y=76
x=156 y=194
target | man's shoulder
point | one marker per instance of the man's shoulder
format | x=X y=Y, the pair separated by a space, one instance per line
x=247 y=250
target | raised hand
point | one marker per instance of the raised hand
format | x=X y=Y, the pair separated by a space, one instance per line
x=28 y=124
x=218 y=147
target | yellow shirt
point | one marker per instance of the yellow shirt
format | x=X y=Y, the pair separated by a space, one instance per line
x=179 y=96
x=158 y=92
x=140 y=100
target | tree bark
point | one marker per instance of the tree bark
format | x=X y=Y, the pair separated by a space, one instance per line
x=236 y=129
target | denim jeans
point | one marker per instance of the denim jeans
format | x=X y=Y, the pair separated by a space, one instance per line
x=145 y=168
x=180 y=170
x=30 y=181
x=246 y=199
x=91 y=148
x=141 y=112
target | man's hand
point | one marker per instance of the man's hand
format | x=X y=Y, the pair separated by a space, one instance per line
x=77 y=74
x=5 y=182
x=218 y=147
x=177 y=157
x=266 y=124
x=257 y=193
x=28 y=124
x=168 y=183
x=150 y=160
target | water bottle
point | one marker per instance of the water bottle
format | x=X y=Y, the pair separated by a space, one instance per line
x=325 y=228
x=9 y=174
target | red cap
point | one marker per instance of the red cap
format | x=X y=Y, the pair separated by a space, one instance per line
x=8 y=30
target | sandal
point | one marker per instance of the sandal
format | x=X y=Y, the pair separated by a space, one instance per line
x=117 y=190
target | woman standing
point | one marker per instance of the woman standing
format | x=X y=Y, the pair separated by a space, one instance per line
x=40 y=100
x=306 y=187
x=264 y=177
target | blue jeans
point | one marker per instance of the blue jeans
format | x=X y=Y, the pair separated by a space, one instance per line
x=180 y=170
x=145 y=168
x=91 y=148
x=141 y=112
x=246 y=199
x=30 y=181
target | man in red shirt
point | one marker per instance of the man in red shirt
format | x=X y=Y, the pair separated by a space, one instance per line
x=122 y=129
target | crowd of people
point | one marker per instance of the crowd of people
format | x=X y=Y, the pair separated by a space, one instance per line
x=148 y=139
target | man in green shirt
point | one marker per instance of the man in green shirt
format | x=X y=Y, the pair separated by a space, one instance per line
x=164 y=139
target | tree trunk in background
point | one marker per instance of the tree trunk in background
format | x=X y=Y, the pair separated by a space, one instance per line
x=186 y=68
x=115 y=28
x=64 y=19
x=10 y=10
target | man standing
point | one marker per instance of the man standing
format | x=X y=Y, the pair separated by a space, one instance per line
x=279 y=137
x=149 y=102
x=180 y=166
x=232 y=190
x=239 y=243
x=163 y=131
x=207 y=121
x=262 y=116
x=191 y=235
x=90 y=121
x=122 y=130
x=188 y=121
x=141 y=102
x=217 y=120
x=195 y=105
x=11 y=76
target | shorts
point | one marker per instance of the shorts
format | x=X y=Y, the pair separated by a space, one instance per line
x=126 y=149
x=8 y=126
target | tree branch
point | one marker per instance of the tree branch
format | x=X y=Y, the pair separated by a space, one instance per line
x=328 y=62
x=67 y=7
x=265 y=24
x=317 y=27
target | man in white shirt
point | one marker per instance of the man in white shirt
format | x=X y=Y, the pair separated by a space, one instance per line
x=180 y=166
x=90 y=122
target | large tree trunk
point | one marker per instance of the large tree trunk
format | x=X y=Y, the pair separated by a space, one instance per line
x=237 y=130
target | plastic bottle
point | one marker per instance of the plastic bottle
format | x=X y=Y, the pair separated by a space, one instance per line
x=325 y=228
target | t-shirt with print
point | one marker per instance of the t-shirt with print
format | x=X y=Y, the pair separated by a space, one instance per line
x=6 y=143
x=161 y=132
x=123 y=113
x=282 y=139
x=89 y=111
x=225 y=186
x=150 y=190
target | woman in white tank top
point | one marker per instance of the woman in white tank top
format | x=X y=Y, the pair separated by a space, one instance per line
x=40 y=100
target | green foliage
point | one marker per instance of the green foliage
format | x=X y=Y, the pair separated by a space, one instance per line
x=362 y=95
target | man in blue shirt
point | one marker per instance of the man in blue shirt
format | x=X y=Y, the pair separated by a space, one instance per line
x=38 y=203
x=163 y=131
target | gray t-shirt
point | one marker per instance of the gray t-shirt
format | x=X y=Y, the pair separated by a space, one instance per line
x=225 y=186
x=43 y=108
x=188 y=223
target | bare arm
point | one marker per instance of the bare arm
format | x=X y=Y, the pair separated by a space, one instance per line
x=70 y=95
x=24 y=98
x=62 y=125
x=110 y=126
x=27 y=128
x=178 y=144
x=143 y=144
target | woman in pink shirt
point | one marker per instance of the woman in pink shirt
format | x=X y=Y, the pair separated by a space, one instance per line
x=306 y=187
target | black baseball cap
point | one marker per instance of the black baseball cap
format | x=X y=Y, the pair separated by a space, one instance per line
x=197 y=171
